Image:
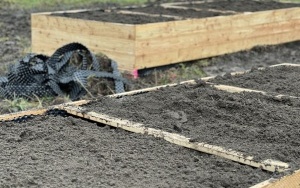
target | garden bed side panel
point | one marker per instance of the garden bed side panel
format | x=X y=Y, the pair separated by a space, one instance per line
x=117 y=41
x=176 y=41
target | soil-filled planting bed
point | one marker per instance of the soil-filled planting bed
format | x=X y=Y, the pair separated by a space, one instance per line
x=281 y=79
x=68 y=152
x=243 y=5
x=100 y=15
x=247 y=122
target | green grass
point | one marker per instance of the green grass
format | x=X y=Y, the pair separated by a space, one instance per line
x=41 y=3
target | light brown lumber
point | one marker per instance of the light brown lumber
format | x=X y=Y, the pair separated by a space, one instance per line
x=197 y=9
x=179 y=28
x=269 y=165
x=264 y=183
x=147 y=14
x=289 y=181
x=200 y=37
x=38 y=111
x=112 y=39
x=186 y=3
x=153 y=57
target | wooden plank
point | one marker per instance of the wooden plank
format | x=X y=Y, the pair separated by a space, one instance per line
x=197 y=9
x=178 y=28
x=289 y=181
x=125 y=59
x=89 y=27
x=269 y=165
x=99 y=43
x=264 y=183
x=147 y=14
x=39 y=111
x=237 y=35
x=204 y=51
x=186 y=3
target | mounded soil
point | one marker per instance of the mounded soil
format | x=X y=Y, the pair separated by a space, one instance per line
x=68 y=152
x=282 y=79
x=257 y=125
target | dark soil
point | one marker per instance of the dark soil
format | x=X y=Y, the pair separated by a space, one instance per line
x=100 y=15
x=244 y=5
x=239 y=6
x=261 y=126
x=69 y=152
x=260 y=56
x=282 y=80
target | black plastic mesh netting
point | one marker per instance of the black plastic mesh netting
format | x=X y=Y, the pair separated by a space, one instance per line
x=38 y=75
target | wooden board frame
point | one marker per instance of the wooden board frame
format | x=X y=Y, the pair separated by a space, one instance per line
x=291 y=181
x=268 y=164
x=141 y=46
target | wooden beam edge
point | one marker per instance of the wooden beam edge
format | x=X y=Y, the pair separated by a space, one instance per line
x=232 y=89
x=288 y=181
x=38 y=111
x=269 y=165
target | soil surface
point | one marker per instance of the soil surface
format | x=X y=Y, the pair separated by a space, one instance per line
x=282 y=79
x=100 y=15
x=62 y=152
x=260 y=56
x=239 y=6
x=67 y=152
x=264 y=127
x=243 y=5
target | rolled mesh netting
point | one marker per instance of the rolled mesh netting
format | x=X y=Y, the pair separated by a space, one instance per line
x=38 y=75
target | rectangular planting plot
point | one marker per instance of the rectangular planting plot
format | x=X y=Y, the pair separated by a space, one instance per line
x=59 y=151
x=149 y=38
x=256 y=125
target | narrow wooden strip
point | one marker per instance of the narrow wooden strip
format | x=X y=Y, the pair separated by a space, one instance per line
x=145 y=90
x=39 y=111
x=186 y=3
x=66 y=11
x=147 y=14
x=233 y=89
x=289 y=181
x=264 y=183
x=269 y=165
x=198 y=9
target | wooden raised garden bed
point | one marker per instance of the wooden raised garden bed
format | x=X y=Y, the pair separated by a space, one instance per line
x=175 y=39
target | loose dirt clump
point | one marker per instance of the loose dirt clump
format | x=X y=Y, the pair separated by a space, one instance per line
x=281 y=79
x=67 y=152
x=260 y=126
